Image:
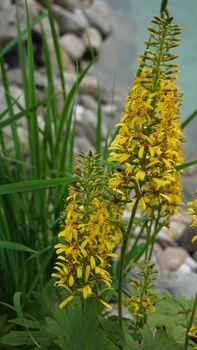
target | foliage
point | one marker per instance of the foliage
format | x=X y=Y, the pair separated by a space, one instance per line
x=142 y=171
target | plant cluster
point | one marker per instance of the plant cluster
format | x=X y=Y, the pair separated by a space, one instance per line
x=95 y=248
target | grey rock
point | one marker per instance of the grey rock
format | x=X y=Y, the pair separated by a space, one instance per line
x=93 y=39
x=73 y=22
x=8 y=29
x=185 y=239
x=68 y=4
x=83 y=144
x=5 y=4
x=179 y=283
x=89 y=86
x=66 y=60
x=175 y=257
x=191 y=263
x=73 y=45
x=88 y=102
x=99 y=15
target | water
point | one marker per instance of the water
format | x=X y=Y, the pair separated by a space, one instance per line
x=119 y=57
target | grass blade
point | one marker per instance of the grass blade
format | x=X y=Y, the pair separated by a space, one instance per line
x=16 y=246
x=185 y=165
x=34 y=185
x=188 y=119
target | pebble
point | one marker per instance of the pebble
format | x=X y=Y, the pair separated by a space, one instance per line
x=5 y=4
x=174 y=257
x=185 y=240
x=181 y=283
x=93 y=39
x=73 y=45
x=88 y=102
x=68 y=4
x=69 y=22
x=99 y=15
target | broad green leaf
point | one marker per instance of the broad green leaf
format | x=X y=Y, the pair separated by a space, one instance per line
x=15 y=246
x=34 y=185
x=158 y=340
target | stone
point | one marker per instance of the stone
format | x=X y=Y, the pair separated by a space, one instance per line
x=181 y=284
x=191 y=263
x=8 y=29
x=99 y=16
x=89 y=86
x=5 y=4
x=18 y=94
x=164 y=239
x=73 y=45
x=66 y=60
x=83 y=144
x=33 y=7
x=88 y=102
x=175 y=257
x=93 y=39
x=68 y=4
x=159 y=259
x=185 y=239
x=69 y=22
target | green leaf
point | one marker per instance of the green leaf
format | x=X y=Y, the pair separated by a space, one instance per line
x=158 y=341
x=16 y=246
x=112 y=330
x=34 y=185
x=185 y=165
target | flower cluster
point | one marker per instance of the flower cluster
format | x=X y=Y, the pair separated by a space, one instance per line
x=193 y=212
x=148 y=145
x=193 y=334
x=89 y=235
x=143 y=300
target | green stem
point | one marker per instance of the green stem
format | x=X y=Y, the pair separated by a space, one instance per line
x=85 y=344
x=126 y=237
x=190 y=323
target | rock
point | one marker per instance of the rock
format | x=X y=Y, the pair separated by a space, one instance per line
x=73 y=45
x=18 y=94
x=191 y=263
x=82 y=144
x=88 y=102
x=66 y=61
x=43 y=2
x=33 y=7
x=175 y=257
x=5 y=4
x=68 y=4
x=93 y=39
x=99 y=15
x=159 y=259
x=89 y=86
x=185 y=240
x=8 y=29
x=179 y=283
x=164 y=239
x=73 y=22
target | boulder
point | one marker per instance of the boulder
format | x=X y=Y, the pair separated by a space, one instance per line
x=73 y=45
x=69 y=22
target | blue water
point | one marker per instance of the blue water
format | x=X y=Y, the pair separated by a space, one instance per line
x=185 y=14
x=119 y=57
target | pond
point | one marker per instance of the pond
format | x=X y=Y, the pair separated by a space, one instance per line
x=119 y=56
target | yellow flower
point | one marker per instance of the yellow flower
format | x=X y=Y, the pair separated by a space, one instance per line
x=88 y=236
x=148 y=144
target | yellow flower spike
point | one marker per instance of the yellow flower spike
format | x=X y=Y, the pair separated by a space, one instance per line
x=66 y=301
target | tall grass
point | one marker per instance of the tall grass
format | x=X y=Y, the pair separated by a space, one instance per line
x=33 y=176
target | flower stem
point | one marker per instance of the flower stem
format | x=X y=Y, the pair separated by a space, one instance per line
x=126 y=237
x=84 y=324
x=190 y=323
